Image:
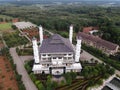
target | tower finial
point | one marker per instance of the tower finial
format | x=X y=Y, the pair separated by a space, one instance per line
x=35 y=50
x=71 y=33
x=41 y=34
x=78 y=49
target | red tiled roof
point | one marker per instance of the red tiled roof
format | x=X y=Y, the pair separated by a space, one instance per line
x=15 y=20
x=87 y=29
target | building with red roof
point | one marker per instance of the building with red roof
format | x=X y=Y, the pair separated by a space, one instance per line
x=90 y=30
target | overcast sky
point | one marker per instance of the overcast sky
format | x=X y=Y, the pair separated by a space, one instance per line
x=60 y=0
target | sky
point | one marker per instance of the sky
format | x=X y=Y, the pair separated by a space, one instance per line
x=64 y=0
x=59 y=0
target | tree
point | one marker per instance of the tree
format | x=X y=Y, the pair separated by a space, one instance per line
x=33 y=77
x=14 y=27
x=37 y=82
x=1 y=19
x=68 y=78
x=18 y=77
x=49 y=83
x=73 y=75
x=40 y=86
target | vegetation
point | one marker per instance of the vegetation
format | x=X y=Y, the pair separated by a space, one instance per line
x=106 y=18
x=5 y=51
x=13 y=39
x=42 y=81
x=93 y=75
x=5 y=26
x=69 y=77
x=5 y=18
x=25 y=51
x=102 y=56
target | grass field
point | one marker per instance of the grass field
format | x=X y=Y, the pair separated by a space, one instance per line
x=5 y=26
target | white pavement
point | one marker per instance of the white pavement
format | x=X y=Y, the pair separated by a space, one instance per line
x=29 y=85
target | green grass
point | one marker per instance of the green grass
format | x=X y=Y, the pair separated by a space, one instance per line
x=5 y=26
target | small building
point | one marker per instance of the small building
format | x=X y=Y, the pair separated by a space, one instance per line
x=15 y=20
x=114 y=84
x=107 y=47
x=56 y=55
x=90 y=30
x=24 y=25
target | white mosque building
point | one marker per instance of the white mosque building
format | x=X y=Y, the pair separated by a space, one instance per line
x=56 y=55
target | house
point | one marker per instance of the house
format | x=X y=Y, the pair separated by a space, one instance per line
x=56 y=55
x=15 y=20
x=107 y=47
x=90 y=30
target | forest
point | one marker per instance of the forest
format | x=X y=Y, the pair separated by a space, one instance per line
x=58 y=18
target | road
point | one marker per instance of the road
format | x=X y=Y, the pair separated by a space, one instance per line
x=29 y=85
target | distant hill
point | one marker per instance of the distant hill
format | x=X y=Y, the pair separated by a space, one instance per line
x=29 y=2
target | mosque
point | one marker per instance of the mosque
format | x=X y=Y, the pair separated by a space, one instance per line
x=56 y=55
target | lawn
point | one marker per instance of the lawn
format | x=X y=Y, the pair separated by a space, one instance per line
x=5 y=26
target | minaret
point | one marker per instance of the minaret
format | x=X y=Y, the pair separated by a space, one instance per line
x=35 y=51
x=41 y=34
x=71 y=33
x=78 y=49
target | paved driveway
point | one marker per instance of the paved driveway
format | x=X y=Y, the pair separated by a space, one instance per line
x=21 y=70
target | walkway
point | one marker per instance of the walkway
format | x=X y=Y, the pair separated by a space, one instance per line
x=21 y=70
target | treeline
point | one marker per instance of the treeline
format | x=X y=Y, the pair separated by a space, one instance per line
x=60 y=17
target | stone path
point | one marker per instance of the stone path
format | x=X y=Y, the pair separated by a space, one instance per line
x=29 y=85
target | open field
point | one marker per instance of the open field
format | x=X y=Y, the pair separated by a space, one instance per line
x=5 y=26
x=7 y=77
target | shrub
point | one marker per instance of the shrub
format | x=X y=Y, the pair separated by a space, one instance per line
x=33 y=77
x=37 y=82
x=18 y=77
x=40 y=86
x=21 y=86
